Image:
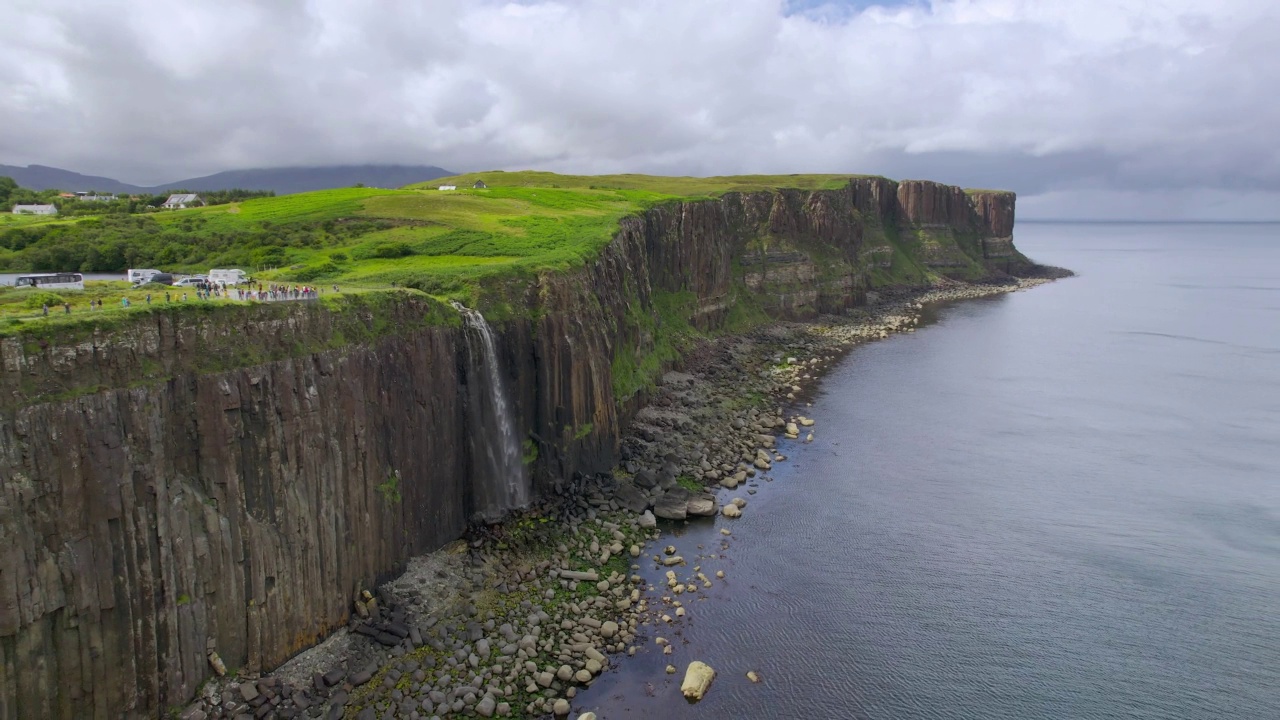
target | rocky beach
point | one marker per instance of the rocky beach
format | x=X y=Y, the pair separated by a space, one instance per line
x=518 y=618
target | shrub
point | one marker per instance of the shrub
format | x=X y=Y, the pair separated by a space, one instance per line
x=40 y=298
x=393 y=250
x=312 y=273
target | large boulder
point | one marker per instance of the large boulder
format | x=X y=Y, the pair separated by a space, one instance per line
x=646 y=478
x=697 y=680
x=673 y=505
x=667 y=475
x=702 y=506
x=630 y=497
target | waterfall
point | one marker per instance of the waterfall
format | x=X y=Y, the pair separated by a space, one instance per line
x=501 y=483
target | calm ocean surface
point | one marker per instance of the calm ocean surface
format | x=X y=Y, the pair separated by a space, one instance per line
x=1060 y=503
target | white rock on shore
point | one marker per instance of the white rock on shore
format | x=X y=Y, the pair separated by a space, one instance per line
x=697 y=680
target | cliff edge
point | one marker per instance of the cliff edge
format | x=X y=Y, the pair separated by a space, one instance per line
x=228 y=480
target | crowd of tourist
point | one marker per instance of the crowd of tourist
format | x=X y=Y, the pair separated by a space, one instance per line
x=247 y=292
x=259 y=292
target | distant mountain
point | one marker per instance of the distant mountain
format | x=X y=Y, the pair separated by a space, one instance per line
x=282 y=180
x=40 y=177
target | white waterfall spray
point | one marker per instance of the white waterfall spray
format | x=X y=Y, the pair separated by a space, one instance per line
x=501 y=483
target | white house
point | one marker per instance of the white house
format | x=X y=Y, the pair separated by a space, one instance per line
x=183 y=201
x=448 y=187
x=35 y=210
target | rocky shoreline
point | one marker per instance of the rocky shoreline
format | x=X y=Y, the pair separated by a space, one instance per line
x=517 y=618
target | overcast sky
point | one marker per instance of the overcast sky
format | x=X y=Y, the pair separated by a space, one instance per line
x=1101 y=108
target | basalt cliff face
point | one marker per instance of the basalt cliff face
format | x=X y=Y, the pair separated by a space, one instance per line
x=228 y=480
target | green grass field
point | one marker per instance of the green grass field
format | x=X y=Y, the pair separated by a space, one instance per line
x=447 y=243
x=9 y=220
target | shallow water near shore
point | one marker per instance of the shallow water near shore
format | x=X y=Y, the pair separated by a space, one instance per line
x=1058 y=503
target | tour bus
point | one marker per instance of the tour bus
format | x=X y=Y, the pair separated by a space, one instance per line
x=140 y=275
x=52 y=281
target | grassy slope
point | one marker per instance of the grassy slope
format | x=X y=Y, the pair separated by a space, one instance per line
x=418 y=236
x=447 y=243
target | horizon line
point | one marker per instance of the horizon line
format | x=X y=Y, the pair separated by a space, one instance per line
x=1146 y=221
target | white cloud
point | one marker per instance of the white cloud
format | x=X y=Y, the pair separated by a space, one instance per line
x=1044 y=96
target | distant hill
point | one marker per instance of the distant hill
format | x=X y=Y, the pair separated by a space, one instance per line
x=40 y=177
x=282 y=180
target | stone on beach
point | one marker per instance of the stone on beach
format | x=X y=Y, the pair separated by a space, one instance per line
x=697 y=680
x=674 y=505
x=702 y=506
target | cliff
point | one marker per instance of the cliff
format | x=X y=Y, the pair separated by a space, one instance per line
x=229 y=479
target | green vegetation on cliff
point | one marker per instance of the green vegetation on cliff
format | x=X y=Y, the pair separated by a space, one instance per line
x=419 y=236
x=481 y=243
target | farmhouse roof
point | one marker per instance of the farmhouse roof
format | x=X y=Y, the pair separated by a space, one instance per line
x=35 y=209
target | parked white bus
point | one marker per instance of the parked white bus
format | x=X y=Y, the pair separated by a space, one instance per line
x=52 y=281
x=137 y=275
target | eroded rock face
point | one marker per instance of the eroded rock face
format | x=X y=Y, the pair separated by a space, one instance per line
x=228 y=481
x=928 y=203
x=239 y=510
x=995 y=210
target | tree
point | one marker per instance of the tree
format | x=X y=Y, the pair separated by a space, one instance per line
x=7 y=186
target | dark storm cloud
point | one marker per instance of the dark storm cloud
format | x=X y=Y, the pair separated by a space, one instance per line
x=1057 y=100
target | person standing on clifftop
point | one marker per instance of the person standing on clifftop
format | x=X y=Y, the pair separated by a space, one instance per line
x=46 y=309
x=66 y=306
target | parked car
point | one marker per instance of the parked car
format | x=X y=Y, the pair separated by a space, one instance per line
x=157 y=278
x=190 y=281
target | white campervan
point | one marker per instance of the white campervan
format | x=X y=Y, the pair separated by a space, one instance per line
x=233 y=276
x=142 y=275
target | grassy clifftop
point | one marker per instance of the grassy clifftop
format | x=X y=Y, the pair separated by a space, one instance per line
x=445 y=243
x=420 y=236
